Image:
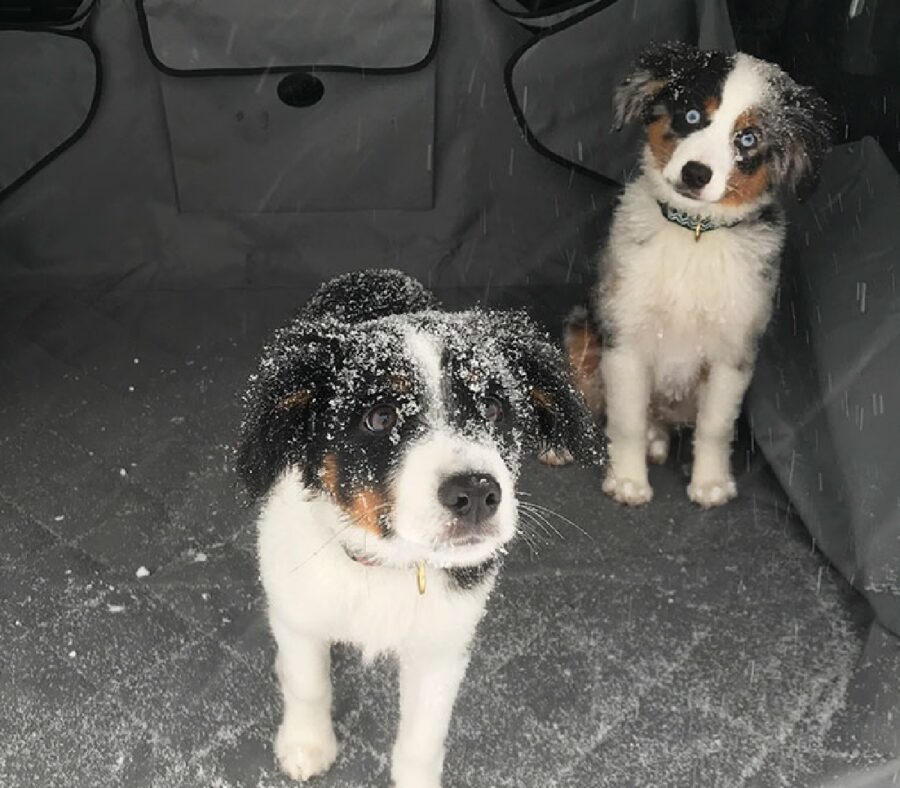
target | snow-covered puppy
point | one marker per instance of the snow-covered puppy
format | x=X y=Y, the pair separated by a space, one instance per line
x=691 y=264
x=384 y=437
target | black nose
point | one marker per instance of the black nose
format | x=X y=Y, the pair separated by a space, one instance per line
x=695 y=175
x=471 y=497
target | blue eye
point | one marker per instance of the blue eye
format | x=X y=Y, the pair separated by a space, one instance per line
x=747 y=139
x=692 y=116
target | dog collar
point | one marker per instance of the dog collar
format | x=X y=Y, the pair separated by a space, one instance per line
x=699 y=224
x=367 y=560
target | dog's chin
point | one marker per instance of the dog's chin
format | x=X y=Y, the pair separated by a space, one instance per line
x=681 y=196
x=401 y=550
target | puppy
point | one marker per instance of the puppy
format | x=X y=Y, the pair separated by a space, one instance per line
x=384 y=437
x=691 y=264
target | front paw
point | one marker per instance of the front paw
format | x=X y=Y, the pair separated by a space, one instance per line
x=409 y=772
x=556 y=457
x=712 y=492
x=302 y=756
x=628 y=491
x=412 y=780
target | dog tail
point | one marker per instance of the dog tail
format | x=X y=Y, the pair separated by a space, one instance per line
x=582 y=339
x=367 y=295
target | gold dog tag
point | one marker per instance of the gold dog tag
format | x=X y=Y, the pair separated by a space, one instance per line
x=697 y=232
x=420 y=577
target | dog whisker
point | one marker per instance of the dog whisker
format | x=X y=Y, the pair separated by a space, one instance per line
x=553 y=513
x=548 y=524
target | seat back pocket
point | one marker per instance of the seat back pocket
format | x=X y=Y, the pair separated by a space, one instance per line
x=307 y=106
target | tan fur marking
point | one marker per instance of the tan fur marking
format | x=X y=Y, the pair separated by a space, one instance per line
x=710 y=106
x=743 y=188
x=400 y=384
x=583 y=350
x=329 y=475
x=541 y=398
x=744 y=120
x=365 y=506
x=661 y=146
x=301 y=397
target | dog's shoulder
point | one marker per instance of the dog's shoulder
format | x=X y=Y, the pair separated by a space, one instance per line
x=367 y=295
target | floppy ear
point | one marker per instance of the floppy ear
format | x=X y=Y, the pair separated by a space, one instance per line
x=804 y=129
x=560 y=419
x=654 y=68
x=293 y=371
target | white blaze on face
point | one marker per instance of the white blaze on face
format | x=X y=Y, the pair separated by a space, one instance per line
x=743 y=89
x=426 y=350
x=420 y=521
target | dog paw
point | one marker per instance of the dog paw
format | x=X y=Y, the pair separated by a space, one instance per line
x=556 y=457
x=627 y=491
x=414 y=780
x=414 y=771
x=303 y=757
x=712 y=493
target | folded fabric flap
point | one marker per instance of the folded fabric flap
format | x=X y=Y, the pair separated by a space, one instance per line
x=561 y=83
x=542 y=17
x=48 y=92
x=828 y=370
x=221 y=36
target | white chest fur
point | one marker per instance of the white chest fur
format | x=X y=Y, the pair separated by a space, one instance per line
x=683 y=301
x=314 y=588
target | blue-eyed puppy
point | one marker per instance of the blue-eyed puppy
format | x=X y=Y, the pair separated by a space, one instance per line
x=688 y=273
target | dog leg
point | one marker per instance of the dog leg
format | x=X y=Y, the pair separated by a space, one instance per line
x=719 y=402
x=626 y=379
x=429 y=683
x=305 y=744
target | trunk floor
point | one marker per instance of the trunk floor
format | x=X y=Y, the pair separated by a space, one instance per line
x=651 y=647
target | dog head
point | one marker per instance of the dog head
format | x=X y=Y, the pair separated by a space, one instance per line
x=413 y=425
x=723 y=132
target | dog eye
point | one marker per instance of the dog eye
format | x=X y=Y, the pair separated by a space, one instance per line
x=692 y=116
x=380 y=418
x=493 y=410
x=747 y=139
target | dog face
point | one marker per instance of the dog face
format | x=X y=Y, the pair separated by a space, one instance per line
x=723 y=130
x=412 y=425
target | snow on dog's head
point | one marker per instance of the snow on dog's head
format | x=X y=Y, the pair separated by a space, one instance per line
x=413 y=424
x=723 y=131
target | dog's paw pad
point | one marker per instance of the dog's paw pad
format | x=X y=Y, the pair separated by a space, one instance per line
x=658 y=450
x=627 y=491
x=302 y=759
x=714 y=493
x=556 y=457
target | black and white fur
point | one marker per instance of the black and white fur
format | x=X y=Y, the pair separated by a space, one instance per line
x=672 y=331
x=366 y=410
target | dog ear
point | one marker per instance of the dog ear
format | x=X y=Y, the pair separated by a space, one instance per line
x=559 y=417
x=655 y=67
x=278 y=404
x=803 y=129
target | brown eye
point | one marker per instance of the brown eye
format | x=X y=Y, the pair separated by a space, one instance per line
x=493 y=410
x=380 y=419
